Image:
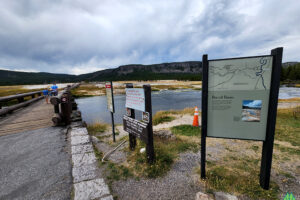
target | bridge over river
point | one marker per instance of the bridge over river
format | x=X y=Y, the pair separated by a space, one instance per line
x=35 y=155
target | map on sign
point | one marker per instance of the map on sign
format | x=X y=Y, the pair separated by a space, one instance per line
x=238 y=97
x=240 y=74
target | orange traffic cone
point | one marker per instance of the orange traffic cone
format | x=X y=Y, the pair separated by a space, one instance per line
x=196 y=121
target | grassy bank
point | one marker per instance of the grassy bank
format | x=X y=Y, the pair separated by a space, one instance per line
x=233 y=166
x=236 y=170
x=97 y=128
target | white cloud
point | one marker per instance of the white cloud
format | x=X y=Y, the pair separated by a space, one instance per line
x=82 y=36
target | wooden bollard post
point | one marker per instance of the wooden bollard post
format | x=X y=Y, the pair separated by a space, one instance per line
x=65 y=108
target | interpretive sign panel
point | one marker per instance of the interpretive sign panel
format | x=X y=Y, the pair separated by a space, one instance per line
x=135 y=99
x=136 y=128
x=238 y=97
x=239 y=101
x=110 y=105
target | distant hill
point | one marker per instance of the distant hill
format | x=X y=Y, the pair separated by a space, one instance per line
x=177 y=70
x=287 y=64
x=190 y=70
x=23 y=78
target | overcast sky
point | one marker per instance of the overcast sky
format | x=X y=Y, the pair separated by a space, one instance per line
x=72 y=36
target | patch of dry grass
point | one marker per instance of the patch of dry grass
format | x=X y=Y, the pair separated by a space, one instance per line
x=296 y=99
x=188 y=111
x=12 y=90
x=96 y=128
x=87 y=90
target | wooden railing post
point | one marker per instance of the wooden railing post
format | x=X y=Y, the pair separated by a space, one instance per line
x=21 y=99
x=65 y=108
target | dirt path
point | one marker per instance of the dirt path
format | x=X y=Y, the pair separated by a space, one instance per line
x=180 y=183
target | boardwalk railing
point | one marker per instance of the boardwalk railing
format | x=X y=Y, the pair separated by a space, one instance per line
x=63 y=105
x=20 y=98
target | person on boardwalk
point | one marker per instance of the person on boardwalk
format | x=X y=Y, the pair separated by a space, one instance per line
x=54 y=89
x=46 y=94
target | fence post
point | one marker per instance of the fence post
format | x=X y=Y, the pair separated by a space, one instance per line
x=65 y=108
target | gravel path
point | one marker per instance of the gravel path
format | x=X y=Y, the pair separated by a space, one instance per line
x=35 y=165
x=179 y=183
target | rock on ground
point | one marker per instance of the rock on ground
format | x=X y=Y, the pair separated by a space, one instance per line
x=202 y=196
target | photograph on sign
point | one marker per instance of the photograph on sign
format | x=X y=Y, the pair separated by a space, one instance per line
x=109 y=97
x=128 y=111
x=146 y=117
x=135 y=98
x=251 y=110
x=238 y=92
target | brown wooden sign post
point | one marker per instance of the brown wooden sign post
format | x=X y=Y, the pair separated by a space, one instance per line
x=139 y=99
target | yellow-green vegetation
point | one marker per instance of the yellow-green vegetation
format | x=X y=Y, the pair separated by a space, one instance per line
x=166 y=152
x=240 y=176
x=96 y=128
x=187 y=130
x=291 y=100
x=238 y=171
x=13 y=90
x=186 y=111
x=171 y=87
x=288 y=127
x=161 y=117
x=87 y=90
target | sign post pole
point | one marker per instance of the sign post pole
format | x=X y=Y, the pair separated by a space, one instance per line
x=267 y=150
x=111 y=105
x=132 y=138
x=112 y=113
x=148 y=108
x=204 y=113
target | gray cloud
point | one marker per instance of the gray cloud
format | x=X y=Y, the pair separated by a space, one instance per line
x=75 y=36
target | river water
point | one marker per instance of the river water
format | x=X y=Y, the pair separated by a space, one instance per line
x=94 y=109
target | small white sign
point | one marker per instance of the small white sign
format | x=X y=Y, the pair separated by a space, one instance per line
x=109 y=97
x=135 y=99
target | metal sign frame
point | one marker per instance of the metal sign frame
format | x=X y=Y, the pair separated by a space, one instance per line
x=267 y=150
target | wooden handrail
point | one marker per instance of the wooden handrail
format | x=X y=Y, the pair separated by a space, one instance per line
x=17 y=106
x=18 y=96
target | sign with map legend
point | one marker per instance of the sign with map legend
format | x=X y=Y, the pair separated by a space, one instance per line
x=238 y=97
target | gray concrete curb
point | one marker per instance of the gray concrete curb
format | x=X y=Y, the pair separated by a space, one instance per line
x=87 y=183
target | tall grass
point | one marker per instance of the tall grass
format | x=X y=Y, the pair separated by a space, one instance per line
x=97 y=127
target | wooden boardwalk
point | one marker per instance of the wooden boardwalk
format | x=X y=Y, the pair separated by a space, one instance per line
x=35 y=116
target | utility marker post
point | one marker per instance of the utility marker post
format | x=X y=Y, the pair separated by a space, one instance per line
x=111 y=105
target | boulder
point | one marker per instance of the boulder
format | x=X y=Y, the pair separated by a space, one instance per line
x=202 y=196
x=224 y=196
